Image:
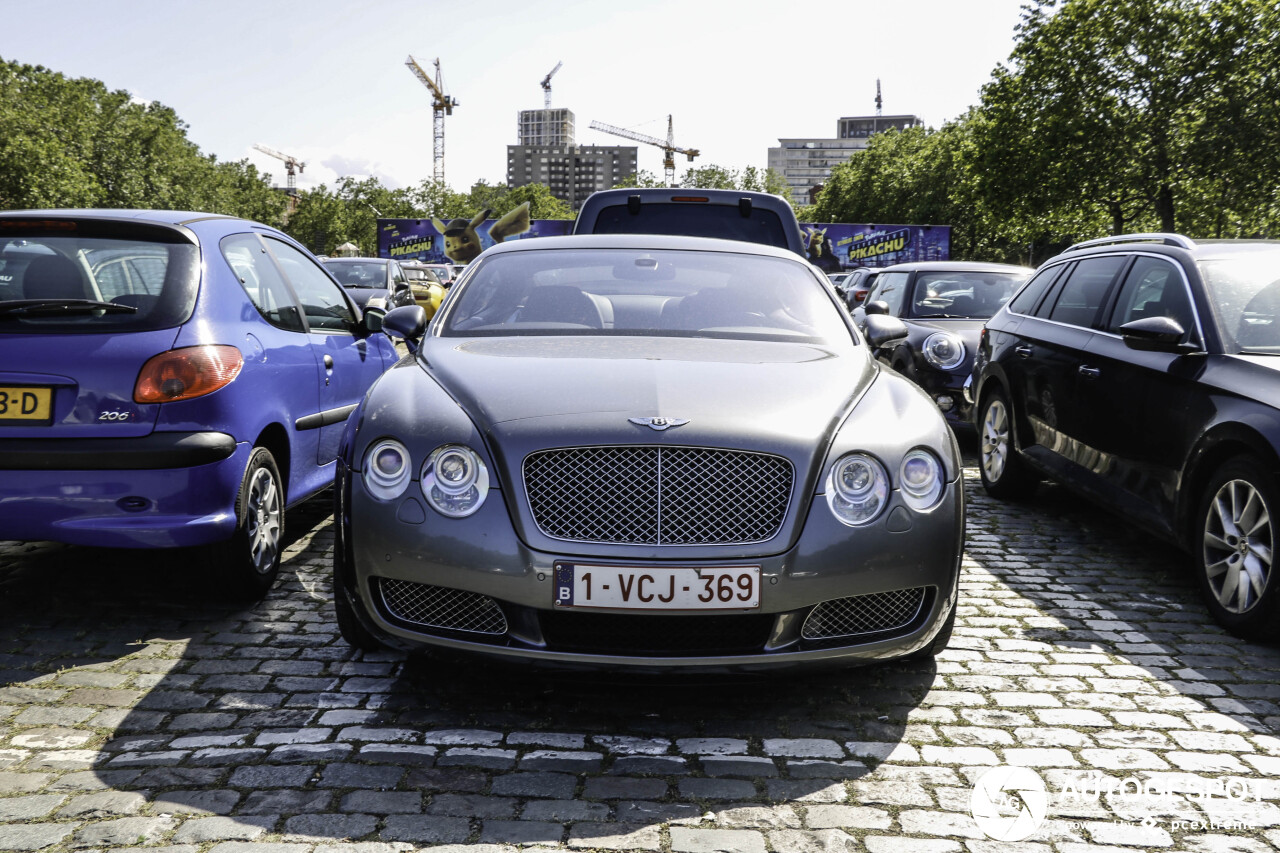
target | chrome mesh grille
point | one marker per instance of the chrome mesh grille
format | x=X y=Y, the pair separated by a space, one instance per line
x=658 y=495
x=863 y=614
x=439 y=607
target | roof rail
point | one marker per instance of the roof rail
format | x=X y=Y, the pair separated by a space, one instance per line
x=1167 y=239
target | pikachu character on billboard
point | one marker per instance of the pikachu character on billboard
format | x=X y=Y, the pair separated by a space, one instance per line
x=462 y=241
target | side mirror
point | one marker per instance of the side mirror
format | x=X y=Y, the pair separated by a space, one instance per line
x=882 y=329
x=1156 y=334
x=877 y=307
x=373 y=319
x=402 y=286
x=407 y=322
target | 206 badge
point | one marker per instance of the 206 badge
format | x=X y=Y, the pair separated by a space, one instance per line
x=659 y=424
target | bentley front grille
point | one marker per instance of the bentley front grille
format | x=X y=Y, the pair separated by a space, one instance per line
x=876 y=613
x=658 y=495
x=419 y=604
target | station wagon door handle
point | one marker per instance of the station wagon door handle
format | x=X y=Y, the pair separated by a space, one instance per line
x=1089 y=372
x=1023 y=351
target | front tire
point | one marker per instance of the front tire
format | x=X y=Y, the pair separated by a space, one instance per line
x=1004 y=474
x=249 y=561
x=349 y=624
x=1232 y=546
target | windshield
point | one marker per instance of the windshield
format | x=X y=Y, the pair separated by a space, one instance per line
x=696 y=220
x=359 y=274
x=969 y=295
x=1244 y=291
x=73 y=282
x=635 y=292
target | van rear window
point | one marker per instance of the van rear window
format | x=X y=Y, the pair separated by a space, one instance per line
x=694 y=219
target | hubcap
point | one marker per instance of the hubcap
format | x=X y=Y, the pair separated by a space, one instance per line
x=263 y=520
x=1237 y=546
x=995 y=440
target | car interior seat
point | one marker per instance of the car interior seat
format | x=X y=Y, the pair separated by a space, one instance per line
x=54 y=277
x=561 y=303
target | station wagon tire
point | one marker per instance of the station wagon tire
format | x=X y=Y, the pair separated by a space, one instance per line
x=250 y=560
x=1233 y=540
x=1004 y=473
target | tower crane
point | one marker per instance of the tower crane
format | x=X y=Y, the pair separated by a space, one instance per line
x=546 y=86
x=668 y=147
x=441 y=106
x=292 y=165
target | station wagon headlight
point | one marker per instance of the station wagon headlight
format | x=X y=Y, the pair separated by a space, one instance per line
x=386 y=469
x=920 y=476
x=454 y=480
x=943 y=350
x=857 y=489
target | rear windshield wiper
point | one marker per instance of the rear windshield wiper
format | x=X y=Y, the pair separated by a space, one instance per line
x=62 y=306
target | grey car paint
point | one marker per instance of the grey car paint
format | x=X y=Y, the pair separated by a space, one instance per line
x=509 y=396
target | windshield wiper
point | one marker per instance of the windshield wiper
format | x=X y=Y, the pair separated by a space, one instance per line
x=62 y=306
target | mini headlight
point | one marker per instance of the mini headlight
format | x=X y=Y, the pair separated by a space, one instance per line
x=454 y=480
x=857 y=489
x=386 y=469
x=920 y=476
x=943 y=350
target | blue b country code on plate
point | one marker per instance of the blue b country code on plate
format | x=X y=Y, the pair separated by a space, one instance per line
x=583 y=585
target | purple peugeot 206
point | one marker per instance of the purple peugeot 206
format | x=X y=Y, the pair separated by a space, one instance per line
x=171 y=379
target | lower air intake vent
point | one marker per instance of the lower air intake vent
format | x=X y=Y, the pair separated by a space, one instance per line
x=439 y=607
x=864 y=614
x=657 y=636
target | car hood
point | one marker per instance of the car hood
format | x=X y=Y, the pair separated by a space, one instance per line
x=729 y=391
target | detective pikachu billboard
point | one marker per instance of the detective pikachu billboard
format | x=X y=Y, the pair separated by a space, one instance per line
x=459 y=241
x=831 y=246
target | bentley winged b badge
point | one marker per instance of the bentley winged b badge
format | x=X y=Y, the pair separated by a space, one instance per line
x=659 y=424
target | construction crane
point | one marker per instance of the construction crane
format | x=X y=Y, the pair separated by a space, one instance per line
x=292 y=165
x=441 y=106
x=669 y=149
x=546 y=86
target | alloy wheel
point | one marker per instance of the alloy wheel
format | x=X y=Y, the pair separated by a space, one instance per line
x=995 y=440
x=1238 y=540
x=262 y=521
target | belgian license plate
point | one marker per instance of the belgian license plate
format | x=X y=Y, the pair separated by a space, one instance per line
x=26 y=404
x=649 y=588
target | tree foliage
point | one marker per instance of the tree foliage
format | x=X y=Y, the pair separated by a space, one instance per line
x=1110 y=116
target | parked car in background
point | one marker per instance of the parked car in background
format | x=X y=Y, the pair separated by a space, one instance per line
x=569 y=471
x=1141 y=371
x=444 y=272
x=171 y=379
x=944 y=304
x=855 y=285
x=753 y=217
x=836 y=277
x=372 y=282
x=426 y=285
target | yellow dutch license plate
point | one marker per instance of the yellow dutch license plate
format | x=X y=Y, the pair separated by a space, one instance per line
x=25 y=404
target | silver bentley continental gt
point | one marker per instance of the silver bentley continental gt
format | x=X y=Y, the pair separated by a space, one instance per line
x=647 y=453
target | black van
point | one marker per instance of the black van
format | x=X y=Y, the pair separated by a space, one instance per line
x=753 y=217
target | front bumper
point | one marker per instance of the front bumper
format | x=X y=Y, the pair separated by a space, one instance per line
x=489 y=593
x=166 y=490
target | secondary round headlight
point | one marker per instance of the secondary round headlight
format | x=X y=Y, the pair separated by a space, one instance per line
x=454 y=480
x=921 y=479
x=386 y=469
x=857 y=489
x=943 y=350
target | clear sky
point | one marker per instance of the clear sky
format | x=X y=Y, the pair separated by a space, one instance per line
x=326 y=81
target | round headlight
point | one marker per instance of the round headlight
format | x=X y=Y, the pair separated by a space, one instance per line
x=943 y=350
x=920 y=476
x=857 y=489
x=454 y=480
x=386 y=469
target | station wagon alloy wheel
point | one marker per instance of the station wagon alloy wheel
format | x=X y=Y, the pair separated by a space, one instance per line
x=1237 y=546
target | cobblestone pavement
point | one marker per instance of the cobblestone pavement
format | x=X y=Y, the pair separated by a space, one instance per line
x=137 y=711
